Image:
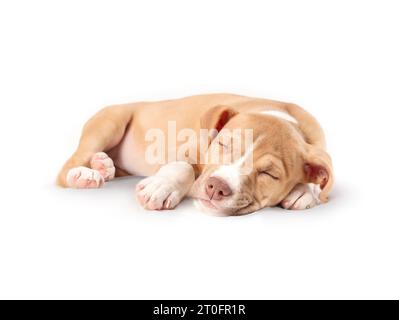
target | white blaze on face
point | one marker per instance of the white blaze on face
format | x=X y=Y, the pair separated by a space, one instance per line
x=232 y=173
x=280 y=114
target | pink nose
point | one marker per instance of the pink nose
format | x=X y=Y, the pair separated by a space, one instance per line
x=217 y=189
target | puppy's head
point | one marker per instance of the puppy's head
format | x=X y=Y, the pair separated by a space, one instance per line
x=249 y=175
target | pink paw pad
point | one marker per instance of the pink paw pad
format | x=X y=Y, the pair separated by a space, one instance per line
x=103 y=164
x=84 y=178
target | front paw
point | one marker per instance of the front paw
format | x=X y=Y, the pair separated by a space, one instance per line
x=303 y=196
x=158 y=193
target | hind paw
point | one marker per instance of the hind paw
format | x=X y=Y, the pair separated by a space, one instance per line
x=84 y=178
x=103 y=164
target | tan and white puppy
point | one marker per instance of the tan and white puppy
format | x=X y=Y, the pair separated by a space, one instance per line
x=286 y=164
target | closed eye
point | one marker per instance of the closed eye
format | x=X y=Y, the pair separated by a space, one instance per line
x=271 y=175
x=222 y=144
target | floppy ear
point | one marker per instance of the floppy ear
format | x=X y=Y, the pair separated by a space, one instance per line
x=318 y=170
x=217 y=117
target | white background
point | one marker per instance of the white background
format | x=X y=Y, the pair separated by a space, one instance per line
x=60 y=61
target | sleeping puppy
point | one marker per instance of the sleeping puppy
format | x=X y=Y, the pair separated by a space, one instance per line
x=232 y=154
